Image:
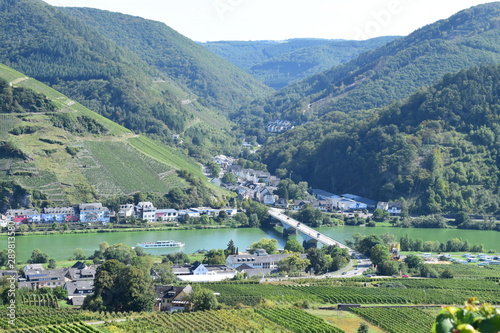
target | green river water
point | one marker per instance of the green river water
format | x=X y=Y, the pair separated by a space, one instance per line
x=62 y=247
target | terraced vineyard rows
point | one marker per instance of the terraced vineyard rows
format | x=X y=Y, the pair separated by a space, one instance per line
x=250 y=294
x=297 y=320
x=40 y=300
x=397 y=320
x=32 y=316
x=106 y=168
x=245 y=320
x=163 y=153
x=473 y=272
x=488 y=285
x=64 y=328
x=7 y=122
x=358 y=295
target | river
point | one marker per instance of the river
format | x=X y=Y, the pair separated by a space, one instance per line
x=61 y=247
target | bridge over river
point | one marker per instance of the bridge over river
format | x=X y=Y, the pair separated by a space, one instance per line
x=311 y=236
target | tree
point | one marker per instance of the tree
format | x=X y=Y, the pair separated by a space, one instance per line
x=119 y=288
x=79 y=254
x=164 y=273
x=380 y=215
x=413 y=261
x=231 y=248
x=310 y=215
x=268 y=244
x=60 y=292
x=363 y=328
x=319 y=262
x=177 y=258
x=389 y=267
x=203 y=299
x=293 y=264
x=241 y=218
x=378 y=254
x=120 y=252
x=52 y=264
x=4 y=257
x=446 y=274
x=366 y=244
x=38 y=257
x=253 y=221
x=229 y=178
x=214 y=170
x=293 y=245
x=215 y=257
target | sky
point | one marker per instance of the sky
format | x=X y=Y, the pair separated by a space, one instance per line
x=213 y=20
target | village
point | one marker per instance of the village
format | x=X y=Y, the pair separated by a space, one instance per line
x=250 y=184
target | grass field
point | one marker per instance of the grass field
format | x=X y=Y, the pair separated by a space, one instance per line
x=347 y=321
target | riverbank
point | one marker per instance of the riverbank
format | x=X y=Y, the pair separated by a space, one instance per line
x=119 y=229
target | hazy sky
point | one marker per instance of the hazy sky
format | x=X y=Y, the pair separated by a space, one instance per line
x=210 y=20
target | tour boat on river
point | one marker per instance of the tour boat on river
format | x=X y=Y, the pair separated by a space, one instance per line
x=160 y=244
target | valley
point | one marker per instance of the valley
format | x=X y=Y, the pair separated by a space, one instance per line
x=117 y=130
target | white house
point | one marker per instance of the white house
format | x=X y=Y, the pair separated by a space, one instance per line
x=146 y=210
x=166 y=214
x=125 y=211
x=298 y=204
x=198 y=272
x=260 y=260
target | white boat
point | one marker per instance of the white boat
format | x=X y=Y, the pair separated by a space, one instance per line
x=160 y=244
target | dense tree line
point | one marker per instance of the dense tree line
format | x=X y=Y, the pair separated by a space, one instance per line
x=436 y=152
x=387 y=73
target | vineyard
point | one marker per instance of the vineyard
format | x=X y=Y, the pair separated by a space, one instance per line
x=297 y=320
x=113 y=167
x=397 y=320
x=40 y=300
x=29 y=317
x=164 y=153
x=472 y=272
x=7 y=122
x=64 y=328
x=245 y=320
x=412 y=291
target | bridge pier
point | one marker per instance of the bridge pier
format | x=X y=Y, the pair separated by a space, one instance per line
x=309 y=242
x=288 y=230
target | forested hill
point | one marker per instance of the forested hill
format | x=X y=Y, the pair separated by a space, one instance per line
x=73 y=57
x=438 y=151
x=210 y=77
x=55 y=152
x=280 y=63
x=393 y=71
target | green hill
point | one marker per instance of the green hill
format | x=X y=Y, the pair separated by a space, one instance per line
x=210 y=77
x=59 y=152
x=393 y=71
x=280 y=63
x=150 y=90
x=437 y=151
